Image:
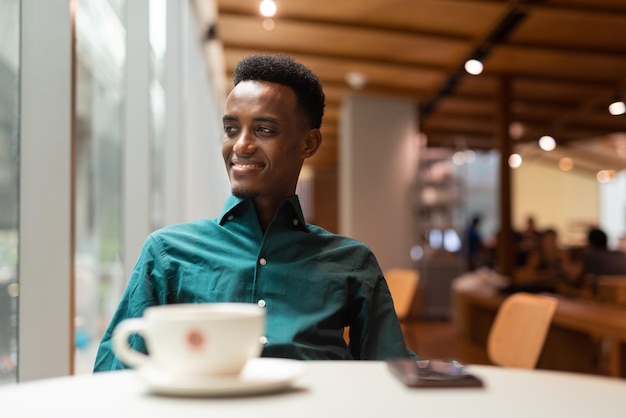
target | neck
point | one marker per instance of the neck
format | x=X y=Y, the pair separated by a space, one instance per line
x=266 y=210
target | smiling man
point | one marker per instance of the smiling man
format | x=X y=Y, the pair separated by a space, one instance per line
x=312 y=283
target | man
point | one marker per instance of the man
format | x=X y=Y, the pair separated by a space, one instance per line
x=260 y=250
x=474 y=243
x=599 y=260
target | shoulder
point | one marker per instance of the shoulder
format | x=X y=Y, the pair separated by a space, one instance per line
x=183 y=232
x=185 y=228
x=337 y=239
x=345 y=250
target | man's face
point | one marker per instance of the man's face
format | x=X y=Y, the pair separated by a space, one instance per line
x=265 y=140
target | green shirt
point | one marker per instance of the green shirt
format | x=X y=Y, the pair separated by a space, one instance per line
x=311 y=282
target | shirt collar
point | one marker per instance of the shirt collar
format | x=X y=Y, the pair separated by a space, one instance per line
x=236 y=205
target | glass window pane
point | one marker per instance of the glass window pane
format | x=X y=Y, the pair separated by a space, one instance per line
x=9 y=159
x=100 y=76
x=158 y=44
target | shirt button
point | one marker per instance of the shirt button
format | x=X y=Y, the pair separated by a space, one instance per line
x=261 y=303
x=262 y=261
x=296 y=222
x=263 y=340
x=230 y=217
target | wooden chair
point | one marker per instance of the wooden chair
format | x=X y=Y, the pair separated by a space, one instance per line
x=519 y=331
x=403 y=285
x=611 y=289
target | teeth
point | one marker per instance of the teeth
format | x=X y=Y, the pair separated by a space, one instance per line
x=247 y=165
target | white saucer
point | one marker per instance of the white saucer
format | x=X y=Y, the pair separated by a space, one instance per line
x=260 y=375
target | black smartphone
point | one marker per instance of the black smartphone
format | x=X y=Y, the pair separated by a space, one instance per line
x=433 y=373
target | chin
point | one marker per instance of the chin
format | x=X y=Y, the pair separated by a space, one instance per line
x=243 y=193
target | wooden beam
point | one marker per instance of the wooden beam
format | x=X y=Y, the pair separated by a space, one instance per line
x=506 y=243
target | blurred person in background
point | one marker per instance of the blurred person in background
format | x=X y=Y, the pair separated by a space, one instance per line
x=527 y=240
x=474 y=246
x=596 y=260
x=543 y=268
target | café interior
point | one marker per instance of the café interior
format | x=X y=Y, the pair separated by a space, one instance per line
x=416 y=142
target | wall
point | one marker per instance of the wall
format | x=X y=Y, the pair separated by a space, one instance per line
x=325 y=199
x=565 y=201
x=377 y=161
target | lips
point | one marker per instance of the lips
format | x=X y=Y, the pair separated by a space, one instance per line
x=246 y=167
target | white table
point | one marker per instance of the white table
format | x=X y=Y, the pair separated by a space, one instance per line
x=329 y=389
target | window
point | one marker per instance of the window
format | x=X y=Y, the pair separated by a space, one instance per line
x=100 y=95
x=9 y=160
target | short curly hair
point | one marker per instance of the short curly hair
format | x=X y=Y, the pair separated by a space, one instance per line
x=596 y=238
x=283 y=69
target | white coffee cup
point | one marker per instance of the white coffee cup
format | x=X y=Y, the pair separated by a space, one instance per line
x=203 y=338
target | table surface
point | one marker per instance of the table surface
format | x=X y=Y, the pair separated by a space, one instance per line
x=329 y=389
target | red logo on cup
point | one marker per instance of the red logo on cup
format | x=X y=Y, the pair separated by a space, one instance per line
x=195 y=339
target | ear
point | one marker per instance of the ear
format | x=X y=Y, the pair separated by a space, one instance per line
x=311 y=143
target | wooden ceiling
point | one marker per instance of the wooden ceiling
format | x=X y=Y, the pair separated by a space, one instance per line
x=562 y=60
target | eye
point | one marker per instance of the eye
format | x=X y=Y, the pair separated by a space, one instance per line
x=230 y=130
x=264 y=130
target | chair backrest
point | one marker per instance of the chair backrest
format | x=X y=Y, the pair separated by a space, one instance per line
x=519 y=331
x=402 y=286
x=611 y=289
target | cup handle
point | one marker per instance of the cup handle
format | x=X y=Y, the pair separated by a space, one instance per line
x=122 y=349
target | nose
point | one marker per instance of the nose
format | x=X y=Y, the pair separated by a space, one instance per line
x=244 y=145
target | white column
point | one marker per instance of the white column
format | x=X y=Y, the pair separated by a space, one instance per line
x=45 y=325
x=137 y=146
x=175 y=62
x=378 y=161
x=196 y=183
x=204 y=174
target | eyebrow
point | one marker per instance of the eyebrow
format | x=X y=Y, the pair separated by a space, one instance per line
x=266 y=119
x=231 y=118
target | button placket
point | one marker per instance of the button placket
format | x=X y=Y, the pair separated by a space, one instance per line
x=261 y=302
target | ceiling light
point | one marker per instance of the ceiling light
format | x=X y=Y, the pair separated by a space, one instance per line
x=566 y=164
x=268 y=24
x=458 y=158
x=547 y=143
x=515 y=160
x=516 y=130
x=605 y=176
x=268 y=8
x=473 y=66
x=356 y=80
x=617 y=108
x=469 y=156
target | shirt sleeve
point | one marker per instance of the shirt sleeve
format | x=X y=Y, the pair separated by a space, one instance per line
x=142 y=291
